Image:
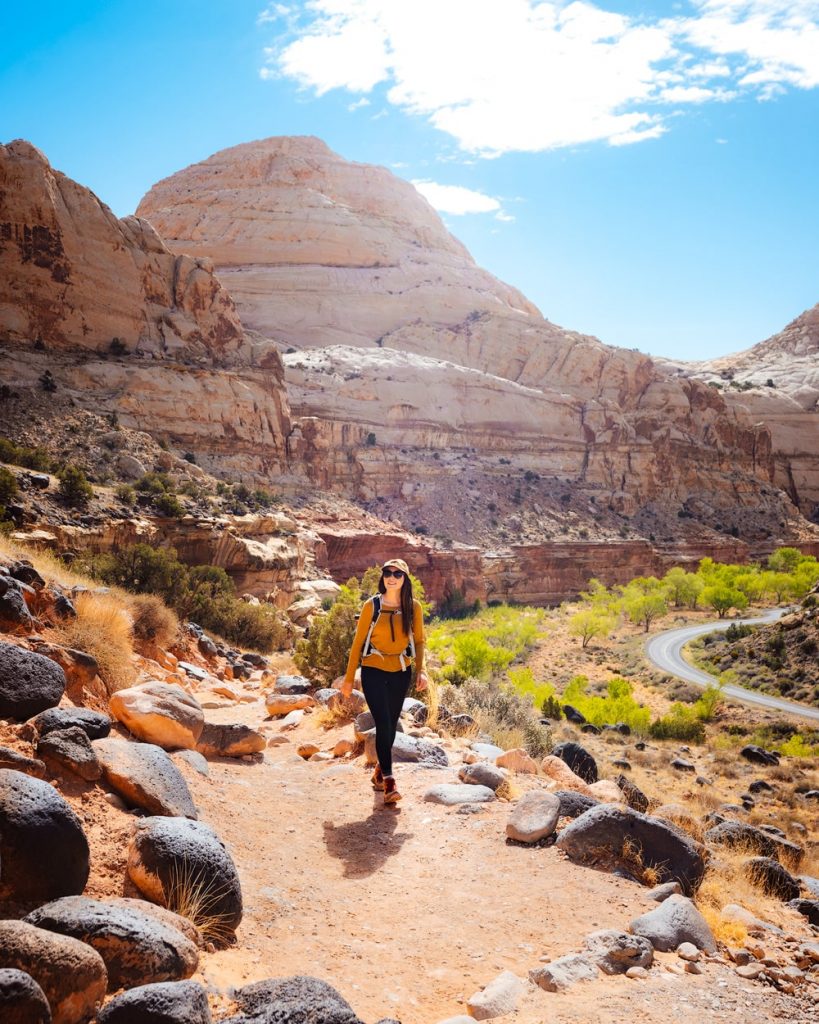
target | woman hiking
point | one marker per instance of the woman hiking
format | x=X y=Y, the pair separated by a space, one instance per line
x=389 y=634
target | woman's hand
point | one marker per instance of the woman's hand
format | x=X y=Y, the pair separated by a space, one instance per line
x=346 y=690
x=421 y=681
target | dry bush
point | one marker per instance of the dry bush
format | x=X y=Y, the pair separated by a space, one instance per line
x=632 y=855
x=153 y=620
x=726 y=882
x=784 y=772
x=328 y=716
x=103 y=629
x=432 y=698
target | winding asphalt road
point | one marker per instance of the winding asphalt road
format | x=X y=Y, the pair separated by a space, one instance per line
x=665 y=652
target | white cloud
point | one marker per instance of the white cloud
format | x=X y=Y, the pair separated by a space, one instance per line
x=530 y=75
x=363 y=102
x=457 y=199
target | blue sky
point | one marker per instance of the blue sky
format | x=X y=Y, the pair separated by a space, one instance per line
x=642 y=172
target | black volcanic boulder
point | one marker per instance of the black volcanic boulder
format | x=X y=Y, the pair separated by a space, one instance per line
x=70 y=749
x=808 y=908
x=168 y=1002
x=174 y=861
x=43 y=849
x=144 y=776
x=573 y=715
x=296 y=1000
x=14 y=614
x=635 y=797
x=768 y=875
x=70 y=973
x=22 y=1001
x=578 y=759
x=758 y=755
x=612 y=836
x=94 y=724
x=573 y=804
x=29 y=683
x=740 y=835
x=138 y=948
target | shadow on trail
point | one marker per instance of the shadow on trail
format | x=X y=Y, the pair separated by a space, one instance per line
x=365 y=846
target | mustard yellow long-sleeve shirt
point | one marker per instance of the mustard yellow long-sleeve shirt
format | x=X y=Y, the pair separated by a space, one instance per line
x=390 y=642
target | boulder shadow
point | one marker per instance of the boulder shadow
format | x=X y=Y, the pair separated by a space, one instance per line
x=365 y=846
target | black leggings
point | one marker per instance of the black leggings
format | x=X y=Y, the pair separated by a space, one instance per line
x=385 y=693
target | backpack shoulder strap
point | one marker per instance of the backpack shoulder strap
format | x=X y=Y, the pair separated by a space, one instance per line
x=376 y=603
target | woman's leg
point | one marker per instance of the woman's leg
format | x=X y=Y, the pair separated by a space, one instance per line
x=376 y=687
x=397 y=687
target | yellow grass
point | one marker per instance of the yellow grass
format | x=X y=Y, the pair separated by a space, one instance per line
x=189 y=894
x=103 y=629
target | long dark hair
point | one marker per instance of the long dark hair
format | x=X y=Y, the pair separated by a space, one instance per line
x=406 y=600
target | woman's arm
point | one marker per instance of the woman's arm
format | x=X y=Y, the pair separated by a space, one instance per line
x=420 y=644
x=364 y=620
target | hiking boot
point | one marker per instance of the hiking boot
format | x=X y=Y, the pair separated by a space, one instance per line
x=377 y=778
x=391 y=794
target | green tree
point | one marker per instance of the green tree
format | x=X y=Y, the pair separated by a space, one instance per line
x=323 y=653
x=784 y=559
x=588 y=624
x=683 y=588
x=8 y=486
x=643 y=609
x=75 y=489
x=722 y=598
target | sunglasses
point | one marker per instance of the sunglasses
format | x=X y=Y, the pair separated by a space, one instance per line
x=397 y=573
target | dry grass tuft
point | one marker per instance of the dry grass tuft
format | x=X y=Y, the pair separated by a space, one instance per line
x=189 y=894
x=103 y=629
x=432 y=698
x=731 y=933
x=508 y=790
x=726 y=882
x=632 y=855
x=340 y=712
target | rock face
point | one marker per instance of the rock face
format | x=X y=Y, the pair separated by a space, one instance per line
x=410 y=364
x=781 y=375
x=76 y=278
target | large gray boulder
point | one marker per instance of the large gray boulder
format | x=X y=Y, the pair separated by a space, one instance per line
x=615 y=952
x=614 y=836
x=70 y=973
x=22 y=1001
x=482 y=773
x=296 y=1000
x=43 y=849
x=229 y=739
x=29 y=683
x=408 y=748
x=534 y=817
x=674 y=921
x=138 y=948
x=169 y=1002
x=174 y=861
x=160 y=713
x=144 y=776
x=741 y=835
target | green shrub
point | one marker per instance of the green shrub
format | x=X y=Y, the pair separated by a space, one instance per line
x=618 y=705
x=75 y=489
x=154 y=483
x=8 y=486
x=681 y=723
x=126 y=494
x=169 y=505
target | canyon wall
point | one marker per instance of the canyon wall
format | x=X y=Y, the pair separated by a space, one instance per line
x=127 y=326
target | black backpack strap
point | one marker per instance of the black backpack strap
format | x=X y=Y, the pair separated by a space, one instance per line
x=376 y=601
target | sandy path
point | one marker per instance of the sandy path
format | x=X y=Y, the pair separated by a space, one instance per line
x=409 y=912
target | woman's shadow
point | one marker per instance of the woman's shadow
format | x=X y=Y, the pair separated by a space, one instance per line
x=365 y=846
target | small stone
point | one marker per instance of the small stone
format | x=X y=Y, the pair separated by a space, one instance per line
x=321 y=755
x=518 y=761
x=306 y=750
x=688 y=951
x=637 y=973
x=342 y=747
x=749 y=971
x=692 y=968
x=499 y=997
x=564 y=972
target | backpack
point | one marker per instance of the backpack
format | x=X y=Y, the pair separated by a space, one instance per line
x=368 y=648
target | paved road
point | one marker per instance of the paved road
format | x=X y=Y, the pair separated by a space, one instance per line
x=665 y=652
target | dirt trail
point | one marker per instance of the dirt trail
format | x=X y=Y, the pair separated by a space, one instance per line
x=408 y=912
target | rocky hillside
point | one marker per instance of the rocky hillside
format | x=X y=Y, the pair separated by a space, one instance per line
x=777 y=383
x=413 y=374
x=780 y=658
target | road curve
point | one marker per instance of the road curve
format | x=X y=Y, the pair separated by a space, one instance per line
x=664 y=651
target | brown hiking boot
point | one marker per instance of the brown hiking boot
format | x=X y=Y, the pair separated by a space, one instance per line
x=377 y=778
x=391 y=794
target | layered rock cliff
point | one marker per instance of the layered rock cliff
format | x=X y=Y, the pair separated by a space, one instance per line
x=777 y=383
x=126 y=325
x=425 y=388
